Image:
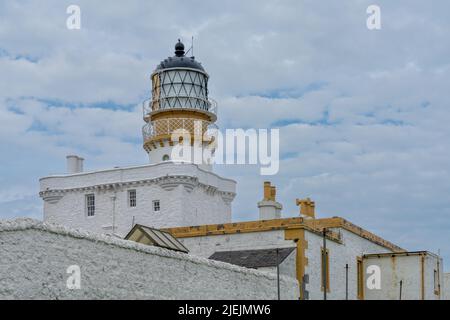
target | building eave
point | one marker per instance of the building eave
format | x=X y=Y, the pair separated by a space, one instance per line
x=312 y=225
x=397 y=254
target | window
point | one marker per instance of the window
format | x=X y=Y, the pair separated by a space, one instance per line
x=360 y=278
x=156 y=205
x=90 y=205
x=437 y=280
x=166 y=157
x=325 y=263
x=132 y=198
x=436 y=283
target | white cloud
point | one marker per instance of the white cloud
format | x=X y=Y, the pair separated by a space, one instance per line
x=363 y=114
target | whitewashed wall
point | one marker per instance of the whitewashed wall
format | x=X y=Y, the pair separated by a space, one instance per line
x=432 y=263
x=407 y=269
x=35 y=257
x=206 y=246
x=187 y=194
x=157 y=155
x=446 y=288
x=288 y=267
x=353 y=246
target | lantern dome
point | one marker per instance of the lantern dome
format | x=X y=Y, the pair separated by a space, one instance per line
x=180 y=60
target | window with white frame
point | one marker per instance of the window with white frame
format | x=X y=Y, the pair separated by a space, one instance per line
x=90 y=205
x=156 y=206
x=132 y=198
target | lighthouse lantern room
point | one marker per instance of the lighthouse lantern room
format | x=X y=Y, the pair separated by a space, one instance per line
x=179 y=103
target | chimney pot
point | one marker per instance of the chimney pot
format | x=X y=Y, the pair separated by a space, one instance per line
x=267 y=190
x=273 y=193
x=268 y=207
x=307 y=208
x=74 y=164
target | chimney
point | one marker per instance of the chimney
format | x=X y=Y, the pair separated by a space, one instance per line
x=74 y=164
x=80 y=164
x=307 y=208
x=269 y=208
x=267 y=190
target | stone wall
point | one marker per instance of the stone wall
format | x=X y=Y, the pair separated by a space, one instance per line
x=36 y=256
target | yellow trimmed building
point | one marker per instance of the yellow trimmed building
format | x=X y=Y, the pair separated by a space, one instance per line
x=326 y=252
x=330 y=258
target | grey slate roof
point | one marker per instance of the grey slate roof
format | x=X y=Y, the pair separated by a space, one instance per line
x=253 y=258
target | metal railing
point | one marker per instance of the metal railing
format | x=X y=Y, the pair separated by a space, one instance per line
x=179 y=102
x=165 y=127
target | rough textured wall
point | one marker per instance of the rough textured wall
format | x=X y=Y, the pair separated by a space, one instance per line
x=340 y=254
x=207 y=245
x=288 y=267
x=187 y=194
x=393 y=270
x=70 y=209
x=433 y=263
x=137 y=173
x=352 y=247
x=407 y=269
x=35 y=258
x=446 y=288
x=178 y=208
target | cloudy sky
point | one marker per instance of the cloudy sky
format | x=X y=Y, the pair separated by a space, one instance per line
x=363 y=115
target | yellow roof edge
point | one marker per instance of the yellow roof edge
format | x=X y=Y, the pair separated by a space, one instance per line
x=314 y=225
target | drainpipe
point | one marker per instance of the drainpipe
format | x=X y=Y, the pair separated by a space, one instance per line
x=113 y=198
x=439 y=277
x=346 y=281
x=278 y=274
x=324 y=264
x=422 y=271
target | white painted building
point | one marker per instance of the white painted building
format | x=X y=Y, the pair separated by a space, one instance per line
x=326 y=256
x=345 y=244
x=404 y=275
x=446 y=288
x=167 y=192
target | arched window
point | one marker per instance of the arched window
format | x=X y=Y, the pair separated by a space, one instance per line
x=166 y=157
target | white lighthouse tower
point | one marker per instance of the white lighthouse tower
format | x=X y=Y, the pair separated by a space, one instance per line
x=168 y=192
x=180 y=112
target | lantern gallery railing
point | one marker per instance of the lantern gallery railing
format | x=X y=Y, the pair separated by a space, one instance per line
x=166 y=127
x=179 y=102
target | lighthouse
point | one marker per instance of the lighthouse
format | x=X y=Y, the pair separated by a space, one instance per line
x=172 y=190
x=180 y=112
